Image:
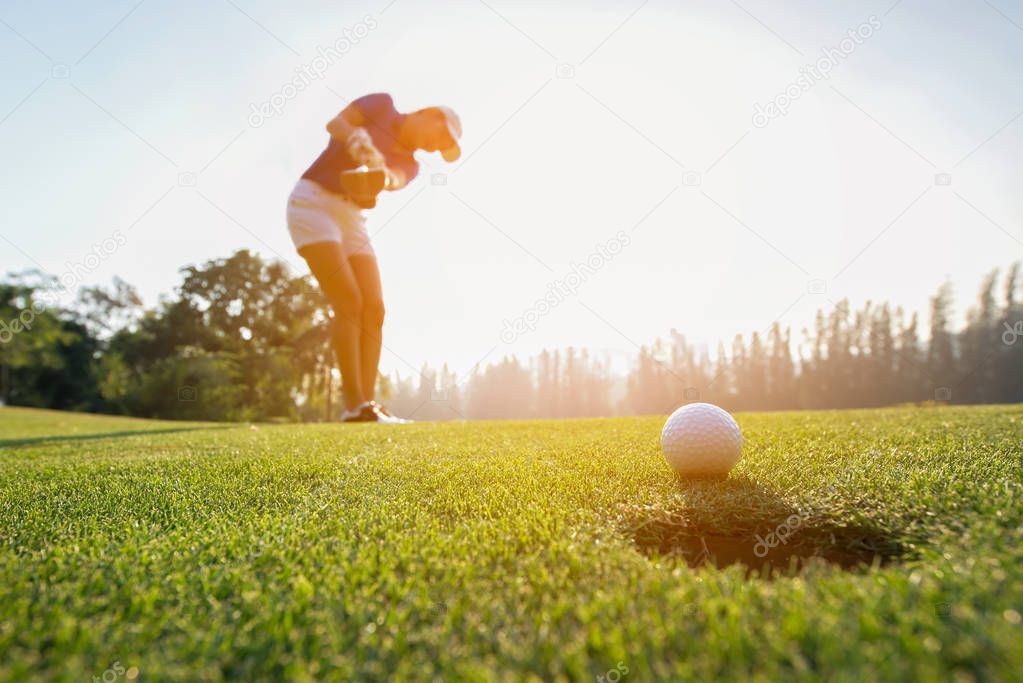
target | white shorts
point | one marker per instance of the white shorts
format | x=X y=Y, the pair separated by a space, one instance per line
x=316 y=215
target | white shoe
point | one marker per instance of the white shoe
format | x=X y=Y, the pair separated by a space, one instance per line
x=371 y=411
x=364 y=413
x=387 y=416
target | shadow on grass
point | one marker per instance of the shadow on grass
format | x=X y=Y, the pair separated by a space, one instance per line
x=35 y=440
x=737 y=522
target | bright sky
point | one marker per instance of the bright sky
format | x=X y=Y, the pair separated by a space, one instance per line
x=582 y=119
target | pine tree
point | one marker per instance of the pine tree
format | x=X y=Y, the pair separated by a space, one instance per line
x=941 y=353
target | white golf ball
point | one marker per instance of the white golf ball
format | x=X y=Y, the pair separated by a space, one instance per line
x=701 y=440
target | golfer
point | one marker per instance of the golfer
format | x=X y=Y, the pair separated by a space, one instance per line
x=370 y=150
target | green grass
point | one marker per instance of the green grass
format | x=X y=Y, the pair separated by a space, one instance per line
x=508 y=551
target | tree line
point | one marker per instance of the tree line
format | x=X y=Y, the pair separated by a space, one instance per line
x=243 y=339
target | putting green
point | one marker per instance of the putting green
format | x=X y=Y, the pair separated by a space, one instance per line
x=546 y=550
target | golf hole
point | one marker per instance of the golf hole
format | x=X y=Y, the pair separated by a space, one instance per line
x=721 y=524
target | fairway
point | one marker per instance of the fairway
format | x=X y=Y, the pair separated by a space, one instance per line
x=510 y=550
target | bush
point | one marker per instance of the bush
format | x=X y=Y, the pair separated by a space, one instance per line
x=192 y=385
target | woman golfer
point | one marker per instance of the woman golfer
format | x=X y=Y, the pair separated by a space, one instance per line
x=370 y=149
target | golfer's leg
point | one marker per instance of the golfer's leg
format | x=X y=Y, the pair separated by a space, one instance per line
x=331 y=270
x=367 y=274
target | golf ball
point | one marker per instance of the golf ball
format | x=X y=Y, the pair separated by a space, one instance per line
x=701 y=440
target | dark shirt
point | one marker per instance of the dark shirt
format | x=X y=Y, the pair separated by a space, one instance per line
x=383 y=122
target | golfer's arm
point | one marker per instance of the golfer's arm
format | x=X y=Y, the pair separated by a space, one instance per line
x=342 y=125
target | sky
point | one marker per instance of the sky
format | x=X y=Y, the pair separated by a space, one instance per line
x=629 y=168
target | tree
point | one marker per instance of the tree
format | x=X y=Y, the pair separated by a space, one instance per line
x=980 y=347
x=106 y=310
x=881 y=369
x=501 y=390
x=781 y=370
x=241 y=339
x=248 y=319
x=44 y=357
x=909 y=362
x=1010 y=359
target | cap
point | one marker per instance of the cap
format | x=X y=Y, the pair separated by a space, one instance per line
x=454 y=125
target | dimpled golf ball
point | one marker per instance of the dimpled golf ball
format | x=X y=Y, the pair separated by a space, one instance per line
x=701 y=440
